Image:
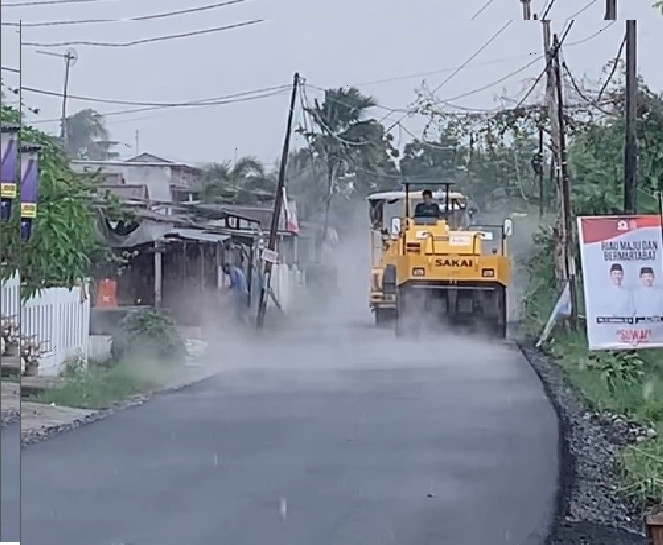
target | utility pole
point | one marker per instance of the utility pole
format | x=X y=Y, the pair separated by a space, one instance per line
x=137 y=142
x=564 y=182
x=69 y=61
x=630 y=148
x=610 y=10
x=527 y=9
x=70 y=57
x=278 y=205
x=540 y=172
x=552 y=118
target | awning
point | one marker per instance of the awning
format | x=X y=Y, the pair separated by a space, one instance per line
x=196 y=234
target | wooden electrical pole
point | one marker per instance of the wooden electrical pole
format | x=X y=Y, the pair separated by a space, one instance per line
x=552 y=118
x=610 y=10
x=565 y=186
x=630 y=148
x=278 y=205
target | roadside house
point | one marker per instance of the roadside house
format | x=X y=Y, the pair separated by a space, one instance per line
x=154 y=178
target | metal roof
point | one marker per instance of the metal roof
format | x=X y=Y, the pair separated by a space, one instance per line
x=196 y=234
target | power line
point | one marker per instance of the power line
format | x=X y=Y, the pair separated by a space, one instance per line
x=538 y=79
x=613 y=69
x=459 y=69
x=146 y=40
x=481 y=10
x=581 y=10
x=436 y=72
x=147 y=104
x=547 y=9
x=498 y=81
x=473 y=56
x=162 y=15
x=219 y=101
x=592 y=36
x=46 y=3
x=596 y=102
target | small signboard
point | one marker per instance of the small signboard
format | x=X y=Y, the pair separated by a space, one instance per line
x=270 y=256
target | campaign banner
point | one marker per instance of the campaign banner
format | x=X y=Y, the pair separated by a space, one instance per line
x=29 y=181
x=622 y=272
x=8 y=168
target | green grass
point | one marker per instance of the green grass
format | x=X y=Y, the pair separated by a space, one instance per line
x=623 y=384
x=96 y=388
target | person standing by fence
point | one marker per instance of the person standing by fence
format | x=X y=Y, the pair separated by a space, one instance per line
x=239 y=291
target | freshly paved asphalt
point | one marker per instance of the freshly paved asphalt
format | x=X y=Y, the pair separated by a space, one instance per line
x=336 y=434
x=10 y=485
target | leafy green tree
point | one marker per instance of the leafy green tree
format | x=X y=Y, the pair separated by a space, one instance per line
x=596 y=153
x=64 y=232
x=87 y=137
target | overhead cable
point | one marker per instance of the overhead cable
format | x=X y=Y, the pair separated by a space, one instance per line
x=162 y=15
x=218 y=101
x=145 y=40
x=546 y=10
x=474 y=55
x=31 y=3
x=554 y=51
x=481 y=9
x=149 y=104
x=581 y=10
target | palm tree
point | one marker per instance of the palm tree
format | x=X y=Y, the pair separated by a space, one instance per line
x=348 y=138
x=238 y=184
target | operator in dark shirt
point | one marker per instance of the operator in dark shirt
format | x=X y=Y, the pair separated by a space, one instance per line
x=428 y=208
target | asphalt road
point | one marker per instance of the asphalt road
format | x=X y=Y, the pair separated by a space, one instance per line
x=10 y=484
x=336 y=434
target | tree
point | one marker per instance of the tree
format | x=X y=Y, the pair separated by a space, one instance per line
x=88 y=138
x=64 y=233
x=242 y=183
x=659 y=5
x=352 y=145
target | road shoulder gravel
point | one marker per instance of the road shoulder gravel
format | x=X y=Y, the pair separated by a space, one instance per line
x=590 y=510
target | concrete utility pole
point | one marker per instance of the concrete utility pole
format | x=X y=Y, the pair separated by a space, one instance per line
x=278 y=205
x=610 y=10
x=527 y=9
x=630 y=148
x=565 y=186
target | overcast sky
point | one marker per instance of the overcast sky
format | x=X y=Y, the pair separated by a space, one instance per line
x=346 y=42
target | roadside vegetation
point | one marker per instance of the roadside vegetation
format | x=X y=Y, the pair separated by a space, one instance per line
x=147 y=351
x=624 y=383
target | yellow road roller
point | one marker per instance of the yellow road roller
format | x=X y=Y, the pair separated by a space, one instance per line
x=441 y=268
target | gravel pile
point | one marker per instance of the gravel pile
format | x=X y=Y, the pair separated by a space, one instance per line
x=590 y=509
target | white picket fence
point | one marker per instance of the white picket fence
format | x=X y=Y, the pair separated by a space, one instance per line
x=57 y=317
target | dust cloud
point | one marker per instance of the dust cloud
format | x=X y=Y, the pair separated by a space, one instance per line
x=336 y=331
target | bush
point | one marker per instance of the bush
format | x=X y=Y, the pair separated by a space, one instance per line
x=148 y=335
x=95 y=388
